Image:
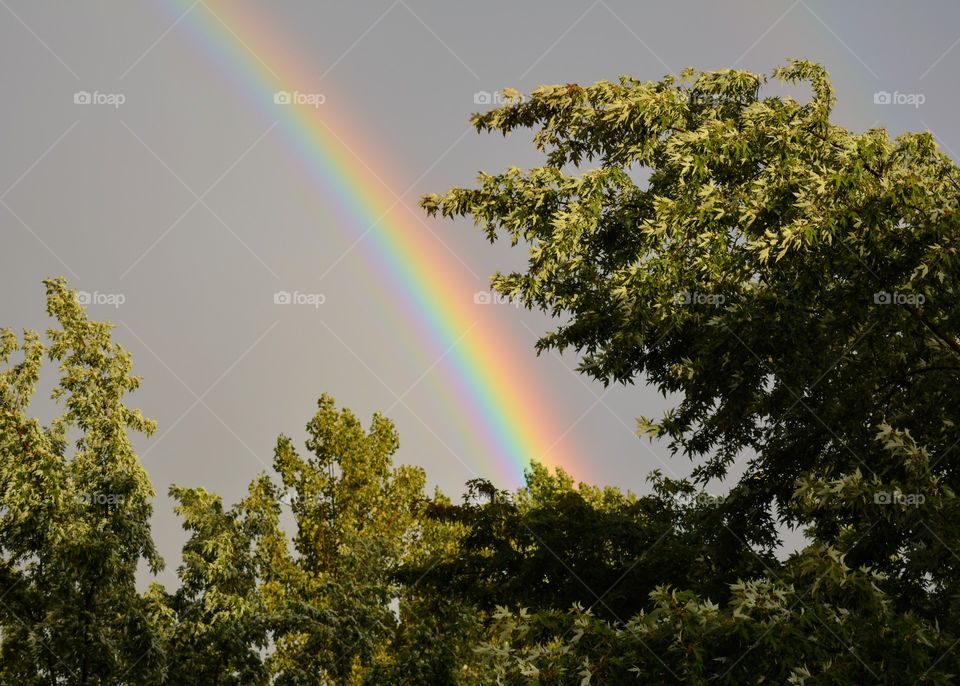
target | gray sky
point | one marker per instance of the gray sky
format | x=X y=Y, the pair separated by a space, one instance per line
x=188 y=201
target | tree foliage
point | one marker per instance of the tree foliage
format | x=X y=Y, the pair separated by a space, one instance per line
x=74 y=513
x=552 y=544
x=353 y=512
x=794 y=282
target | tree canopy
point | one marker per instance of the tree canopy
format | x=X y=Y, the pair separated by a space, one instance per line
x=794 y=282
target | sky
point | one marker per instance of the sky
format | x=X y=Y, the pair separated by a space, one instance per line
x=235 y=185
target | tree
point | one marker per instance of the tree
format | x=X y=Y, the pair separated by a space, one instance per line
x=74 y=519
x=438 y=625
x=331 y=609
x=249 y=608
x=796 y=284
x=354 y=514
x=552 y=545
x=216 y=625
x=820 y=623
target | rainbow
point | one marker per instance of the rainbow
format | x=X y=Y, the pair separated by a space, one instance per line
x=486 y=375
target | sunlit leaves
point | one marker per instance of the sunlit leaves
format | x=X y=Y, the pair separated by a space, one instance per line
x=74 y=519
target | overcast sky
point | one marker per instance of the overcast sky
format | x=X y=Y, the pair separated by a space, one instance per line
x=174 y=191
